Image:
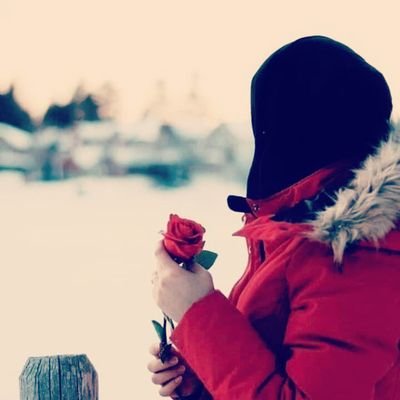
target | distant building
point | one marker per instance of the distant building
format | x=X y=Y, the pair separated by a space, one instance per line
x=169 y=142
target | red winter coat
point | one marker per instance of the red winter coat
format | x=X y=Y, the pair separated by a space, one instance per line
x=295 y=326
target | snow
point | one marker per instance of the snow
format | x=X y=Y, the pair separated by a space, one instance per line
x=47 y=136
x=242 y=129
x=138 y=155
x=146 y=130
x=11 y=159
x=17 y=138
x=194 y=128
x=98 y=131
x=88 y=156
x=76 y=263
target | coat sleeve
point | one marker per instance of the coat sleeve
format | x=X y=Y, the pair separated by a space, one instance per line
x=339 y=334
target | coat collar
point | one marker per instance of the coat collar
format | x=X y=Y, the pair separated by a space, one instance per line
x=364 y=210
x=306 y=188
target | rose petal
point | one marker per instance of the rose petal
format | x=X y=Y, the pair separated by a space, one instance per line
x=184 y=237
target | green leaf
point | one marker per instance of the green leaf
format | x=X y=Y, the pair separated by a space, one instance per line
x=206 y=258
x=159 y=329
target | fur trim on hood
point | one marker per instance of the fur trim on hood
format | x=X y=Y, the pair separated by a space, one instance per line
x=368 y=207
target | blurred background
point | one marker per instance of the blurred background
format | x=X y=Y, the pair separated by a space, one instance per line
x=114 y=114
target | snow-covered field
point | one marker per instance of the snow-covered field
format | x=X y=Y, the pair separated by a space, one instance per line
x=76 y=262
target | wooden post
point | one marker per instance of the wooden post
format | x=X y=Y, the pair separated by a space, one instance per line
x=66 y=377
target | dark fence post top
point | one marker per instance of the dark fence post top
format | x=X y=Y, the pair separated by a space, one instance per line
x=60 y=377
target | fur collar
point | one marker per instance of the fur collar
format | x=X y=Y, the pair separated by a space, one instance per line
x=368 y=207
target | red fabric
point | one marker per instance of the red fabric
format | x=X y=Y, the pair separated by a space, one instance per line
x=293 y=327
x=303 y=189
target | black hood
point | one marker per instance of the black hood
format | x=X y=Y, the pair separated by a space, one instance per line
x=314 y=101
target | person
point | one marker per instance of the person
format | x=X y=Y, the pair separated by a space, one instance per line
x=315 y=314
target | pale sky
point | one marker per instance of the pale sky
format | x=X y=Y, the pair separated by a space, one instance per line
x=50 y=46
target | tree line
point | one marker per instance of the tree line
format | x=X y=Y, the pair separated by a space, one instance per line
x=82 y=107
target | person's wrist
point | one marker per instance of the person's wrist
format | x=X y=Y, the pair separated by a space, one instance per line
x=190 y=304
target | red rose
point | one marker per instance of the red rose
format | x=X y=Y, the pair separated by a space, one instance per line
x=184 y=237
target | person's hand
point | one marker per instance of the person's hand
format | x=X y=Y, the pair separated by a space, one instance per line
x=176 y=289
x=171 y=374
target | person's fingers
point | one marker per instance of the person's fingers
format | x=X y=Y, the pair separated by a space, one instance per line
x=154 y=277
x=154 y=349
x=164 y=261
x=157 y=365
x=197 y=268
x=159 y=250
x=161 y=378
x=170 y=387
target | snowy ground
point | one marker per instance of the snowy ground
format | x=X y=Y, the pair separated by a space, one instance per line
x=76 y=261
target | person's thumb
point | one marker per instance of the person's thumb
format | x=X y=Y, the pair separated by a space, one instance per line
x=198 y=269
